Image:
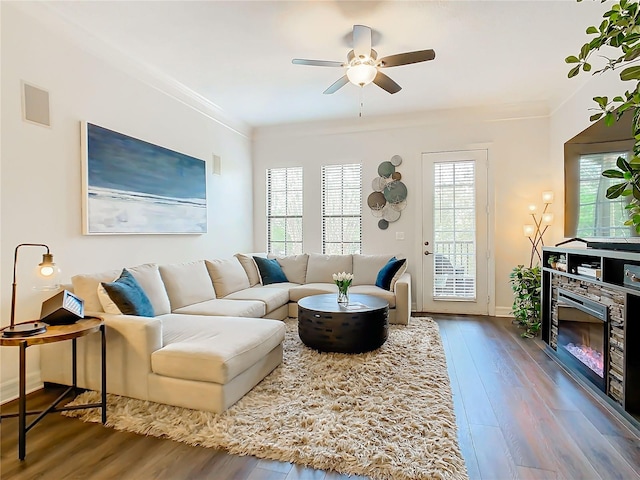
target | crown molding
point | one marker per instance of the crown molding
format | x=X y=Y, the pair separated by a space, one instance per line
x=81 y=37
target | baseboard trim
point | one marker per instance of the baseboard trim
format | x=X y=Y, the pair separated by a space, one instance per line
x=9 y=390
x=503 y=312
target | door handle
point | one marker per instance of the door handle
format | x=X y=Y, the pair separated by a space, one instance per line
x=427 y=252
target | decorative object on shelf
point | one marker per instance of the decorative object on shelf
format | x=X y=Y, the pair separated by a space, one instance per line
x=134 y=187
x=526 y=283
x=553 y=261
x=389 y=195
x=343 y=281
x=64 y=308
x=47 y=271
x=536 y=231
x=618 y=31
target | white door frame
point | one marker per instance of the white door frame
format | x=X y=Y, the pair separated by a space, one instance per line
x=419 y=249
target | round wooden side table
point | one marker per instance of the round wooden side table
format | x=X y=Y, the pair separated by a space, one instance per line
x=54 y=334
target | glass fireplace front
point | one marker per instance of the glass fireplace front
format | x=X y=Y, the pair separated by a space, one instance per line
x=582 y=336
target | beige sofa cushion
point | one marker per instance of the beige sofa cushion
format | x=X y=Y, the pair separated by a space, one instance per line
x=390 y=297
x=272 y=297
x=296 y=293
x=86 y=287
x=366 y=268
x=187 y=283
x=321 y=268
x=214 y=349
x=222 y=307
x=293 y=266
x=228 y=276
x=250 y=267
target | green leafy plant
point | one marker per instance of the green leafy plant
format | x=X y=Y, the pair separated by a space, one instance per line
x=552 y=259
x=526 y=285
x=619 y=30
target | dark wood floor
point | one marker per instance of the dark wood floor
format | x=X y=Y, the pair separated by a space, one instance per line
x=519 y=416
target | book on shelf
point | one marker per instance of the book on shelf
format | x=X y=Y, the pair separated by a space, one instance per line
x=589 y=271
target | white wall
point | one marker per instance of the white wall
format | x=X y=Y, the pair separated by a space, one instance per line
x=520 y=169
x=41 y=184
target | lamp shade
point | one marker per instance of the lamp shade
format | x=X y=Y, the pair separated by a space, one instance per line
x=547 y=218
x=361 y=74
x=547 y=197
x=532 y=208
x=528 y=230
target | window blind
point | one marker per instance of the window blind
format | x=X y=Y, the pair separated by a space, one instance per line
x=284 y=210
x=454 y=222
x=342 y=209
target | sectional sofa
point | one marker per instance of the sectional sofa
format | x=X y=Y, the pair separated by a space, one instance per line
x=216 y=328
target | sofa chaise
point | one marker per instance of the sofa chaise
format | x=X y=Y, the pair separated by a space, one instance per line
x=216 y=329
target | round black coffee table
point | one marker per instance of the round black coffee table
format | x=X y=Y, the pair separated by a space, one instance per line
x=359 y=327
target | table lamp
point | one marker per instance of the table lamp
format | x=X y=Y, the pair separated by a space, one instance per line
x=47 y=270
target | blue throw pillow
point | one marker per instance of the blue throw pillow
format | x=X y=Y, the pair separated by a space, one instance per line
x=270 y=270
x=386 y=273
x=129 y=296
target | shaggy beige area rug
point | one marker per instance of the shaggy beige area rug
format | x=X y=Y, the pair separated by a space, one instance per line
x=386 y=414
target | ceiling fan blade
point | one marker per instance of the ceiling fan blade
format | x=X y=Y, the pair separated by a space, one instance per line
x=361 y=41
x=386 y=83
x=406 y=58
x=337 y=85
x=316 y=63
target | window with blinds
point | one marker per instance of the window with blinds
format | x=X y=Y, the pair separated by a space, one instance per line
x=454 y=224
x=284 y=211
x=342 y=209
x=599 y=216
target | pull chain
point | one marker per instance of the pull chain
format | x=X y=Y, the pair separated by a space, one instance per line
x=361 y=101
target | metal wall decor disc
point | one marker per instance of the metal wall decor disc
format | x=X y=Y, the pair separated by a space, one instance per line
x=396 y=160
x=396 y=176
x=378 y=184
x=383 y=224
x=386 y=169
x=390 y=215
x=399 y=206
x=377 y=213
x=376 y=201
x=395 y=192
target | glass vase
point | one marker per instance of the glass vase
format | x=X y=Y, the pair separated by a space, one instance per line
x=343 y=297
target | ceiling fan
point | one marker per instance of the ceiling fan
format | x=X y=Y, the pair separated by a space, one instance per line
x=363 y=66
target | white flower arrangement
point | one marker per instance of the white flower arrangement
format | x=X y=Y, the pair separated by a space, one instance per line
x=343 y=281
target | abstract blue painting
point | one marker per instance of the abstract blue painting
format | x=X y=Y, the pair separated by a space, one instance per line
x=132 y=186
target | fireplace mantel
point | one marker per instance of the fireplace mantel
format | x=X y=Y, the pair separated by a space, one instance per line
x=596 y=278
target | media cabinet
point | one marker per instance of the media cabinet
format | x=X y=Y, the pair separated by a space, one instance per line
x=591 y=321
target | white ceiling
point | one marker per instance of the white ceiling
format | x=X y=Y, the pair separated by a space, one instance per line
x=237 y=54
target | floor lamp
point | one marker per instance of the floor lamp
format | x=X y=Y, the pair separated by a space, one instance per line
x=536 y=231
x=46 y=269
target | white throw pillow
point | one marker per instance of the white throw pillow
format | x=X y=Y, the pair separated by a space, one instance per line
x=228 y=276
x=108 y=305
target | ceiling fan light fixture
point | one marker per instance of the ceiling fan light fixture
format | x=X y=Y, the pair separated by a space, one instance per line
x=361 y=74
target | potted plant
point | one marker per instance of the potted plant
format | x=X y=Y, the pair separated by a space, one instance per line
x=526 y=285
x=619 y=30
x=553 y=261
